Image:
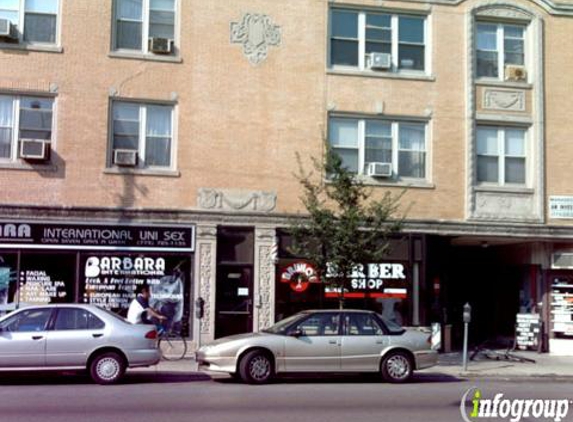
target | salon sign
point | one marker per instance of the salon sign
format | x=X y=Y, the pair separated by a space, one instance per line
x=299 y=274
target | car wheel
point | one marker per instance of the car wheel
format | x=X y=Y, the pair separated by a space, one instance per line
x=256 y=367
x=107 y=368
x=396 y=367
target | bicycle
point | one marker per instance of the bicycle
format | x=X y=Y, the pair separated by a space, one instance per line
x=172 y=344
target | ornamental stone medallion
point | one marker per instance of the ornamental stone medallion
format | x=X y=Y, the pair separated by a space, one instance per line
x=256 y=32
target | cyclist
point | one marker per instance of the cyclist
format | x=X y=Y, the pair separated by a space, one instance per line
x=140 y=312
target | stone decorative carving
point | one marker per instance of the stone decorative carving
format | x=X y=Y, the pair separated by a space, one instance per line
x=205 y=280
x=256 y=32
x=503 y=12
x=237 y=200
x=497 y=99
x=505 y=206
x=266 y=278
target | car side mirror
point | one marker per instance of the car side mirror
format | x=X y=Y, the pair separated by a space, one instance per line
x=296 y=333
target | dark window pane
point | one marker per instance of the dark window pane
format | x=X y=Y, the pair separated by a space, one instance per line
x=412 y=164
x=344 y=24
x=35 y=134
x=515 y=170
x=129 y=35
x=411 y=57
x=349 y=158
x=487 y=63
x=125 y=142
x=487 y=169
x=373 y=19
x=344 y=52
x=126 y=127
x=33 y=119
x=40 y=28
x=411 y=30
x=161 y=24
x=26 y=321
x=376 y=47
x=158 y=152
x=378 y=35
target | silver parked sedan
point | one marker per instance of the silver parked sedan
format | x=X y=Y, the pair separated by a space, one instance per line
x=322 y=341
x=75 y=337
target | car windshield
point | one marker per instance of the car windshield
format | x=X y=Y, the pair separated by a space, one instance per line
x=392 y=326
x=281 y=326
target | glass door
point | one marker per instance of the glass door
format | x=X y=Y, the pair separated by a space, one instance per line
x=234 y=290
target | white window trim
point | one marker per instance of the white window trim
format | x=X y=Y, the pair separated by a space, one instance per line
x=132 y=53
x=394 y=128
x=15 y=141
x=394 y=17
x=500 y=48
x=501 y=156
x=35 y=45
x=142 y=141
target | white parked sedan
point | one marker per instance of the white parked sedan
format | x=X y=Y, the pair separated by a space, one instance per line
x=322 y=341
x=75 y=337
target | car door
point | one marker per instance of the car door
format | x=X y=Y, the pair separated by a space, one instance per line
x=76 y=332
x=362 y=342
x=313 y=344
x=23 y=338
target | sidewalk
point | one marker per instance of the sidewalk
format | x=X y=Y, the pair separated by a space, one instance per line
x=546 y=366
x=449 y=364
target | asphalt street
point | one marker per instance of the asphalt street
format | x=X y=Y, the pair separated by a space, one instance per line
x=175 y=397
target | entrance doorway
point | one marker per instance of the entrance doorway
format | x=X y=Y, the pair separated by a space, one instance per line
x=234 y=292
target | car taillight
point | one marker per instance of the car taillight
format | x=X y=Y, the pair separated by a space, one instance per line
x=151 y=335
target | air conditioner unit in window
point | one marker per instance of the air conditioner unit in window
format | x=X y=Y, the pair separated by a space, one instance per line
x=379 y=169
x=125 y=157
x=34 y=149
x=380 y=61
x=8 y=30
x=515 y=73
x=160 y=45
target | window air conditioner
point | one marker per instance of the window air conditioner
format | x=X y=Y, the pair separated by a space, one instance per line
x=34 y=149
x=379 y=169
x=160 y=45
x=8 y=30
x=515 y=73
x=380 y=61
x=125 y=157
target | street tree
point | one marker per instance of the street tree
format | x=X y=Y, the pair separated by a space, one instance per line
x=345 y=226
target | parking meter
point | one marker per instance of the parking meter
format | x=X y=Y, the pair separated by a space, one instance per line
x=467 y=318
x=199 y=308
x=467 y=313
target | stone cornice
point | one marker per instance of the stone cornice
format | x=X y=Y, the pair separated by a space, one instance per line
x=530 y=232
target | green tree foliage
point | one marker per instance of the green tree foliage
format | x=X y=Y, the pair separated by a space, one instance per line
x=345 y=226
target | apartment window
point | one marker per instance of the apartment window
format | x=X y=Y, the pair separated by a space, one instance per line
x=22 y=118
x=501 y=155
x=355 y=35
x=138 y=22
x=35 y=21
x=499 y=46
x=142 y=135
x=400 y=144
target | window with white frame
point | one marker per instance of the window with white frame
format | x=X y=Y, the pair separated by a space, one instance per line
x=23 y=118
x=35 y=21
x=143 y=132
x=356 y=35
x=400 y=144
x=501 y=155
x=499 y=46
x=139 y=22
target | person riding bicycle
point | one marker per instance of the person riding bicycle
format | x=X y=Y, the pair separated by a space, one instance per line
x=140 y=312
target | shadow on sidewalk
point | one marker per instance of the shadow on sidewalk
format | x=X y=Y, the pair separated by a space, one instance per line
x=418 y=378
